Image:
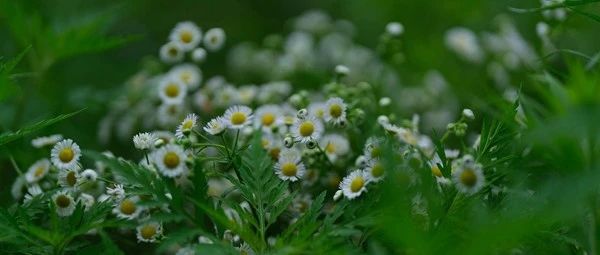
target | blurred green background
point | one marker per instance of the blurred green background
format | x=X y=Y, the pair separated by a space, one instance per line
x=82 y=51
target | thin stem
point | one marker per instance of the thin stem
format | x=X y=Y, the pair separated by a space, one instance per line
x=325 y=155
x=12 y=161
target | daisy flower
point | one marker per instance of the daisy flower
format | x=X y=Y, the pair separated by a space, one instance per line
x=467 y=175
x=46 y=141
x=373 y=148
x=186 y=34
x=144 y=141
x=307 y=130
x=149 y=232
x=215 y=126
x=89 y=175
x=375 y=170
x=117 y=192
x=64 y=203
x=268 y=117
x=214 y=39
x=335 y=145
x=65 y=154
x=171 y=52
x=317 y=110
x=188 y=74
x=169 y=113
x=37 y=171
x=69 y=178
x=238 y=116
x=289 y=167
x=245 y=249
x=32 y=191
x=464 y=43
x=127 y=208
x=186 y=126
x=335 y=110
x=171 y=90
x=354 y=184
x=86 y=200
x=198 y=55
x=170 y=160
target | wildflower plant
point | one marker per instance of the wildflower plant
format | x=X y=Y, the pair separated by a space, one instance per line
x=283 y=167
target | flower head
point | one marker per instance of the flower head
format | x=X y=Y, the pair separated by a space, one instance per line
x=171 y=91
x=144 y=141
x=38 y=170
x=335 y=110
x=170 y=160
x=375 y=170
x=171 y=52
x=268 y=117
x=65 y=154
x=186 y=125
x=354 y=184
x=238 y=116
x=64 y=203
x=216 y=126
x=335 y=145
x=289 y=166
x=69 y=178
x=214 y=39
x=46 y=140
x=467 y=175
x=149 y=232
x=307 y=130
x=127 y=208
x=186 y=34
x=188 y=74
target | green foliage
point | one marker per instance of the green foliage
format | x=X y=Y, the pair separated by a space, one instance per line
x=11 y=136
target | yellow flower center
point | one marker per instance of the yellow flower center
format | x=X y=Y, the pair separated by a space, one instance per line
x=289 y=120
x=330 y=148
x=172 y=51
x=63 y=201
x=71 y=178
x=289 y=169
x=306 y=128
x=238 y=118
x=171 y=160
x=320 y=113
x=187 y=125
x=172 y=90
x=148 y=231
x=335 y=110
x=66 y=155
x=377 y=170
x=468 y=177
x=375 y=152
x=39 y=171
x=186 y=77
x=274 y=153
x=268 y=119
x=186 y=36
x=435 y=170
x=127 y=207
x=357 y=184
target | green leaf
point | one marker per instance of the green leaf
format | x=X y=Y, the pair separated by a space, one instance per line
x=11 y=136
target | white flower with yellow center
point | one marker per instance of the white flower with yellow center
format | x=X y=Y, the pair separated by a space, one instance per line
x=467 y=175
x=306 y=130
x=169 y=113
x=186 y=34
x=238 y=116
x=127 y=208
x=375 y=170
x=65 y=154
x=268 y=117
x=149 y=232
x=170 y=160
x=186 y=125
x=354 y=184
x=335 y=110
x=32 y=191
x=144 y=141
x=171 y=91
x=334 y=146
x=46 y=141
x=188 y=74
x=373 y=148
x=198 y=55
x=69 y=178
x=64 y=203
x=86 y=200
x=214 y=39
x=289 y=166
x=117 y=192
x=37 y=171
x=171 y=52
x=317 y=110
x=247 y=93
x=215 y=126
